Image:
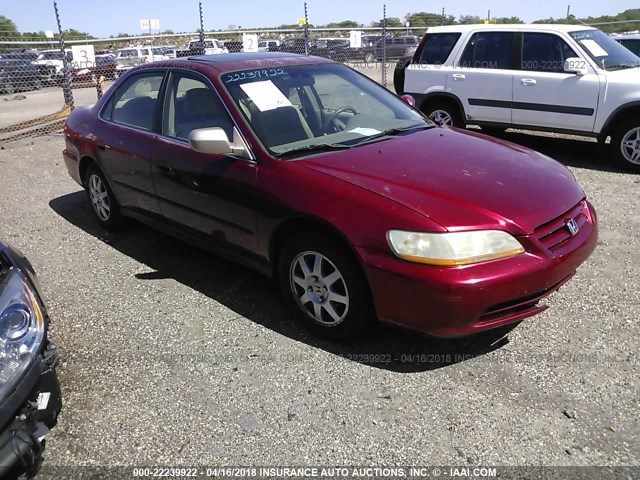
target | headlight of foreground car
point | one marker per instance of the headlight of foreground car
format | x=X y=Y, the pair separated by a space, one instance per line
x=457 y=248
x=21 y=330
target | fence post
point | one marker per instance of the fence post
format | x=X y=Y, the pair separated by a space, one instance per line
x=66 y=82
x=202 y=51
x=306 y=29
x=384 y=46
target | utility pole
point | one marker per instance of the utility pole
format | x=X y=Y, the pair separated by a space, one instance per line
x=202 y=51
x=489 y=16
x=568 y=12
x=443 y=17
x=306 y=29
x=66 y=85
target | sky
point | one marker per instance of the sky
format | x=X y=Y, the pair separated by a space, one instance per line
x=109 y=17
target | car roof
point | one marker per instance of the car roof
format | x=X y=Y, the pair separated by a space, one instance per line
x=230 y=62
x=552 y=27
x=628 y=36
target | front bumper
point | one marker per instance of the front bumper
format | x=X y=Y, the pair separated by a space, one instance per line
x=458 y=301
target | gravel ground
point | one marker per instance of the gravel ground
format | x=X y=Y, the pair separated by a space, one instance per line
x=174 y=356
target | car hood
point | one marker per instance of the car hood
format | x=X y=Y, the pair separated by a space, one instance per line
x=459 y=179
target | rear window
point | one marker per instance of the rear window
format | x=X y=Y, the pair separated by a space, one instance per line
x=437 y=48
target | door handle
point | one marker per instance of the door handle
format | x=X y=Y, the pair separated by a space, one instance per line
x=103 y=147
x=458 y=76
x=528 y=82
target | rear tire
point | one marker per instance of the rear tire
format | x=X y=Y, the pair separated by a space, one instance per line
x=625 y=145
x=444 y=113
x=103 y=202
x=324 y=282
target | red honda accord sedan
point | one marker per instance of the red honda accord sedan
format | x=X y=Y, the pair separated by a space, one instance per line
x=315 y=175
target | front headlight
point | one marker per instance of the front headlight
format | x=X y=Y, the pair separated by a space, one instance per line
x=457 y=248
x=21 y=330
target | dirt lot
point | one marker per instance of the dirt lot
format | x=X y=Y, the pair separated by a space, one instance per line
x=174 y=356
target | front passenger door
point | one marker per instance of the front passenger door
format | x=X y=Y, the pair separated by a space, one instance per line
x=211 y=195
x=545 y=95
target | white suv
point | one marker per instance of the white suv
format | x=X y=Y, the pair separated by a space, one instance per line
x=558 y=78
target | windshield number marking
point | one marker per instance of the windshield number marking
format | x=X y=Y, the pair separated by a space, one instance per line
x=240 y=76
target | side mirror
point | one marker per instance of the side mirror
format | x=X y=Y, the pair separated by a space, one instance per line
x=575 y=65
x=214 y=141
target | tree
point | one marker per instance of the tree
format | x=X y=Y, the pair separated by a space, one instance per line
x=392 y=22
x=344 y=24
x=470 y=20
x=424 y=19
x=8 y=29
x=507 y=20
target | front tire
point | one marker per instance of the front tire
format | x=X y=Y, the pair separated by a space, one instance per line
x=103 y=202
x=323 y=280
x=625 y=145
x=444 y=113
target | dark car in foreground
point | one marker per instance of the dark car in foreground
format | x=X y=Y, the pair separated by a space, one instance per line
x=313 y=174
x=30 y=398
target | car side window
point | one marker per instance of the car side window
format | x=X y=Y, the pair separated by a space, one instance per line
x=134 y=103
x=191 y=104
x=488 y=50
x=438 y=47
x=544 y=52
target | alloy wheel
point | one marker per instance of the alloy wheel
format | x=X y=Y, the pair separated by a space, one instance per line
x=441 y=117
x=99 y=197
x=319 y=288
x=630 y=146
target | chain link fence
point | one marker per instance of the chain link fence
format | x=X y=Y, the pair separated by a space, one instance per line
x=44 y=76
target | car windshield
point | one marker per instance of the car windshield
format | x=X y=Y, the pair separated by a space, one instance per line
x=301 y=108
x=608 y=54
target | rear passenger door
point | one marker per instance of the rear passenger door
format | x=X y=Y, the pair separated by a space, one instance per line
x=211 y=195
x=544 y=95
x=126 y=139
x=483 y=77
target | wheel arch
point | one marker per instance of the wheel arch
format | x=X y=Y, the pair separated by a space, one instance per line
x=431 y=98
x=85 y=162
x=301 y=223
x=619 y=115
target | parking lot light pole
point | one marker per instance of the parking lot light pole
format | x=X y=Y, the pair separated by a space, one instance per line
x=66 y=84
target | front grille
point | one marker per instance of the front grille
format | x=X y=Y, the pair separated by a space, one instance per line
x=555 y=234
